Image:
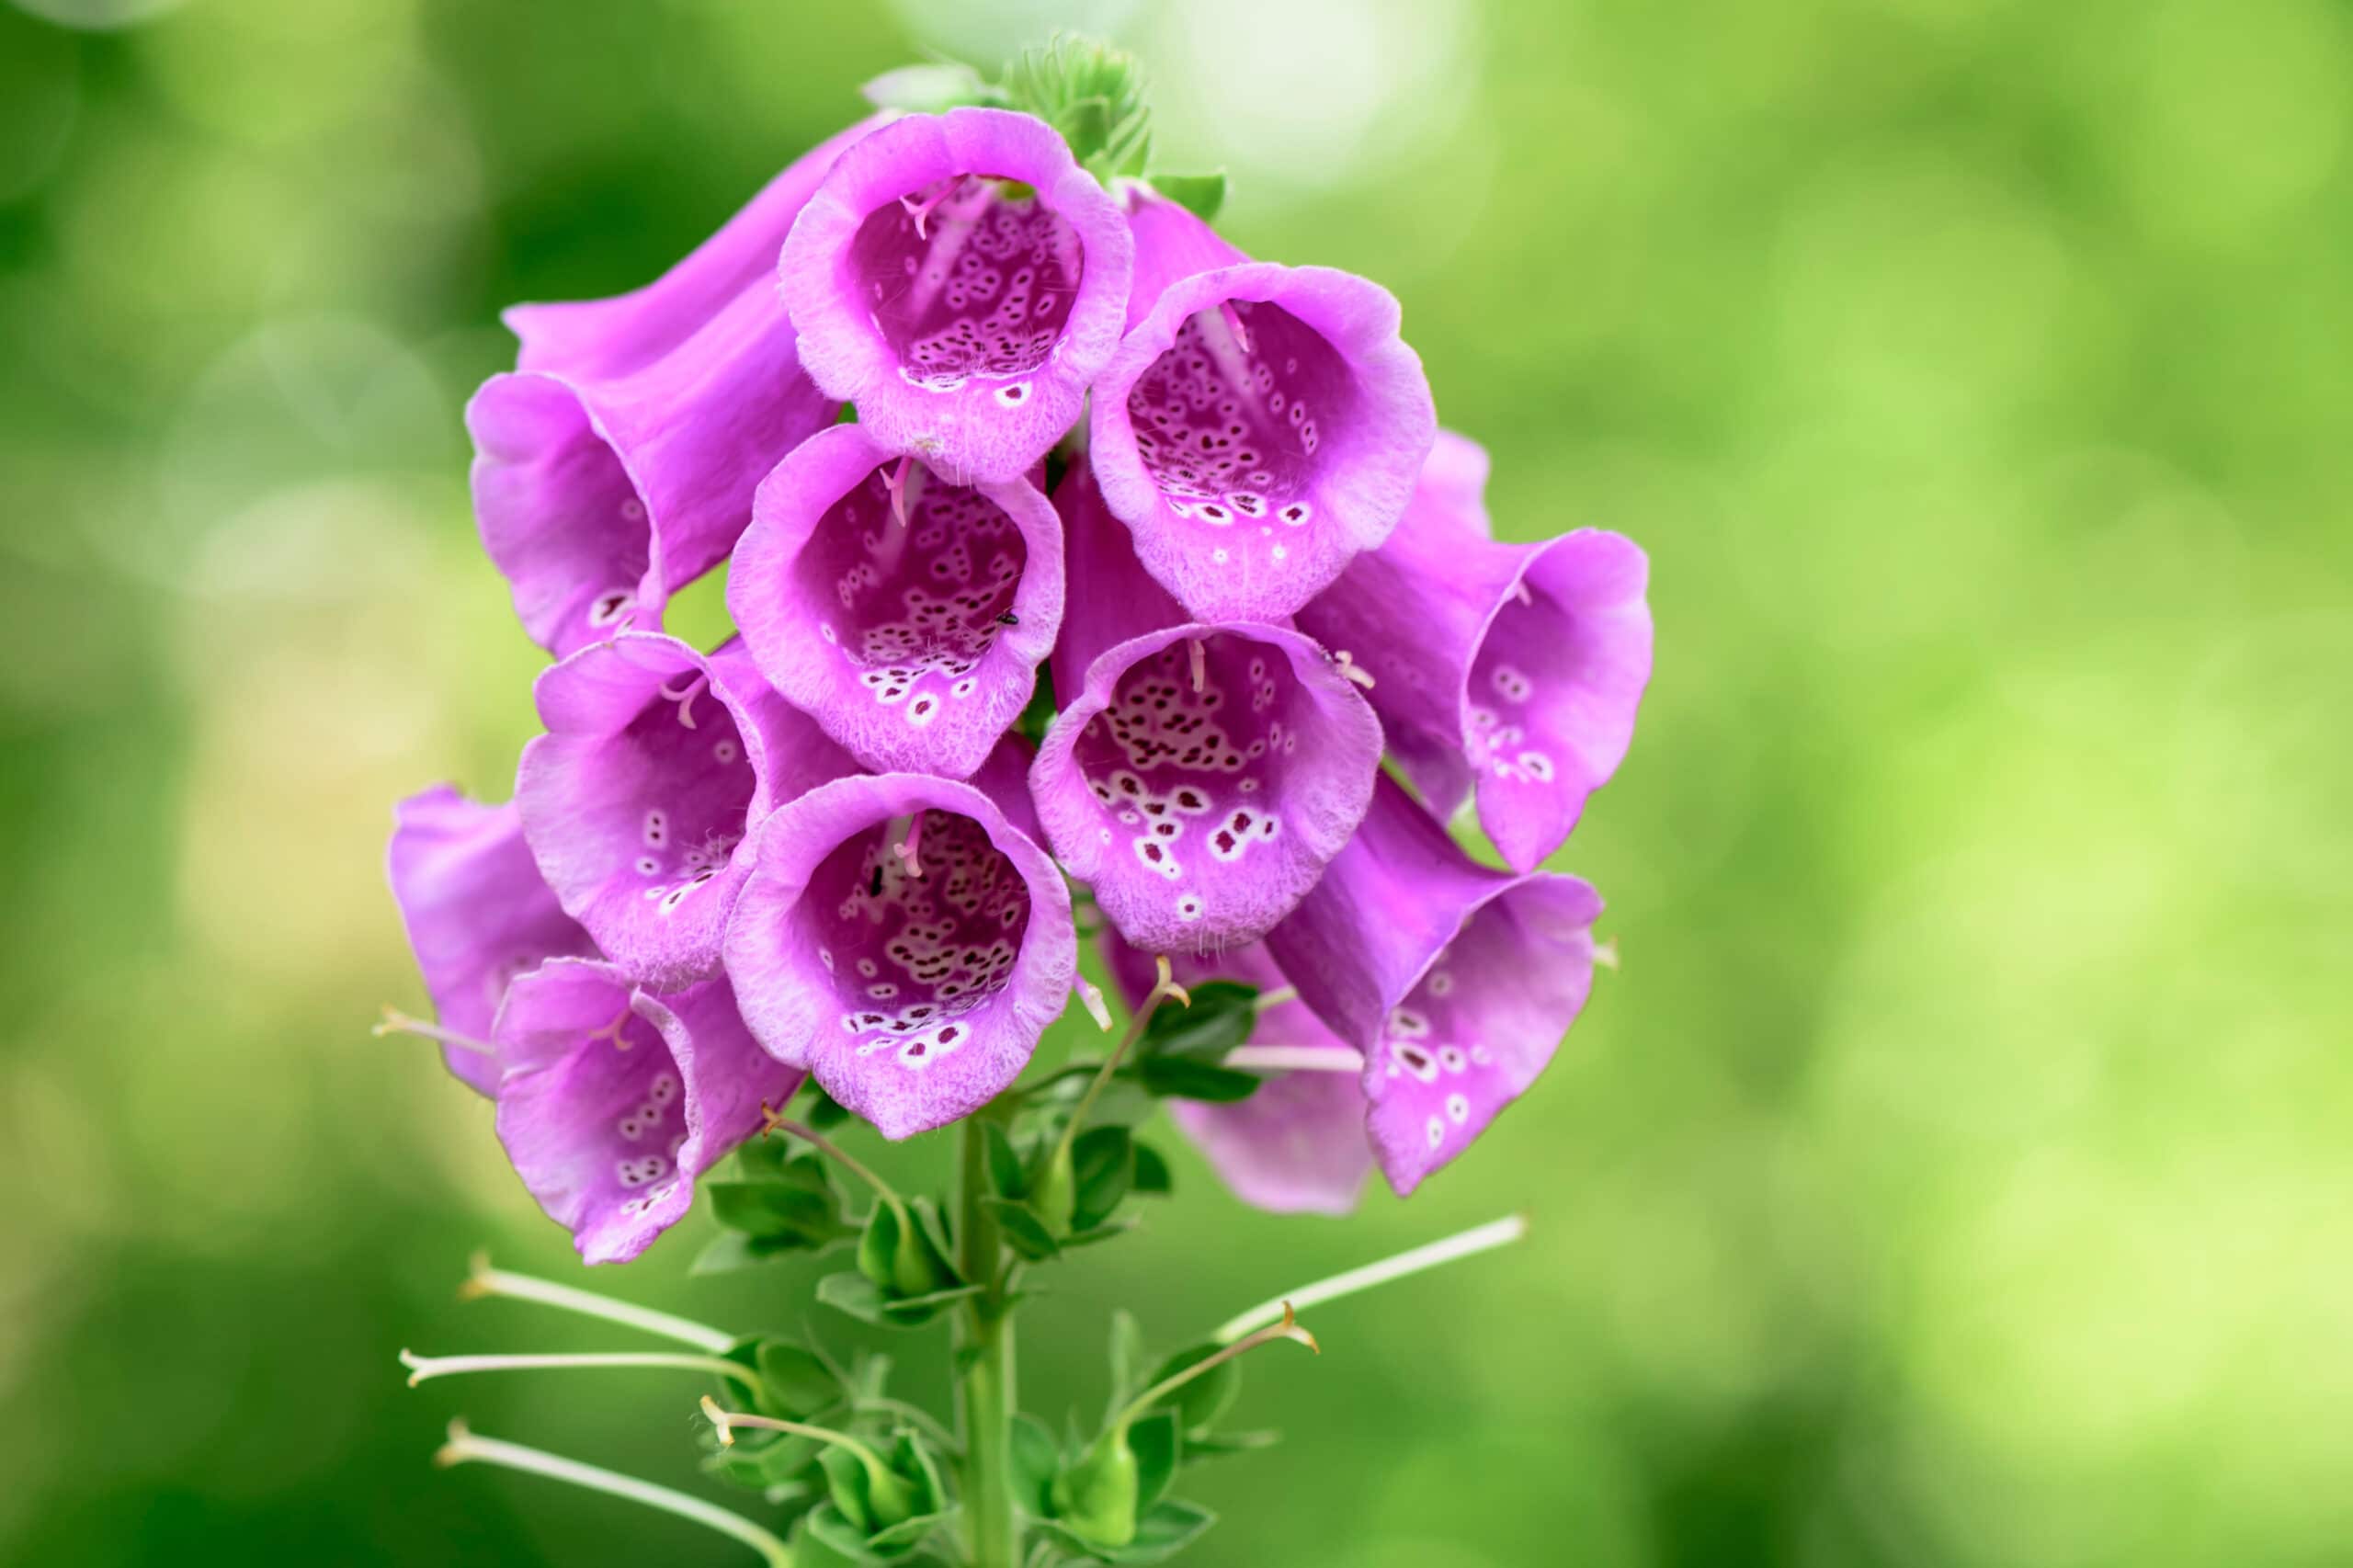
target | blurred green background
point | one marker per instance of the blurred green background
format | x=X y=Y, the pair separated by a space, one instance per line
x=1956 y=1174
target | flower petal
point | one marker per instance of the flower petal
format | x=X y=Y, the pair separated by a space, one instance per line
x=915 y=999
x=1257 y=428
x=906 y=614
x=1456 y=981
x=616 y=1100
x=477 y=911
x=963 y=319
x=657 y=763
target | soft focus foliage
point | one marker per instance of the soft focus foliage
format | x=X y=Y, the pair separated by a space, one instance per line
x=1954 y=1173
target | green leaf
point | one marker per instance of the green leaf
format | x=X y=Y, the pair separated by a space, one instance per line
x=1222 y=1016
x=824 y=1111
x=798 y=1382
x=898 y=1258
x=1201 y=194
x=1036 y=1460
x=1185 y=1078
x=732 y=1250
x=1218 y=1445
x=759 y=1467
x=929 y=88
x=1152 y=1177
x=1103 y=1165
x=1167 y=1529
x=1200 y=1403
x=911 y=1312
x=828 y=1525
x=911 y=1458
x=907 y=1534
x=1005 y=1178
x=1127 y=1357
x=1024 y=1232
x=934 y=1231
x=1155 y=1439
x=1038 y=716
x=854 y=1294
x=1099 y=1234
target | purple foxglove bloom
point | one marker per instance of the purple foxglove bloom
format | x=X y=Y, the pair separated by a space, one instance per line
x=657 y=762
x=1199 y=774
x=905 y=613
x=1297 y=1146
x=1515 y=668
x=615 y=1100
x=616 y=464
x=1455 y=981
x=963 y=319
x=905 y=942
x=478 y=913
x=1259 y=425
x=1172 y=244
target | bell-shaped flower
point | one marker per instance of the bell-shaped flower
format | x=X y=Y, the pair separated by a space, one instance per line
x=1199 y=774
x=905 y=613
x=657 y=763
x=1513 y=670
x=1455 y=981
x=477 y=911
x=616 y=1099
x=1172 y=244
x=1298 y=1146
x=617 y=462
x=906 y=940
x=1259 y=424
x=961 y=280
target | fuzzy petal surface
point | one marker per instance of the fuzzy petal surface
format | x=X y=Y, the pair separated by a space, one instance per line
x=617 y=462
x=1172 y=245
x=1456 y=981
x=914 y=998
x=965 y=319
x=477 y=913
x=1297 y=1146
x=1260 y=427
x=914 y=643
x=1513 y=670
x=615 y=1100
x=656 y=765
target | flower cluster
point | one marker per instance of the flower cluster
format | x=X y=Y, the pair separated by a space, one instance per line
x=1066 y=544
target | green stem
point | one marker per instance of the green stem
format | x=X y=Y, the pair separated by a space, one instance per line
x=1163 y=985
x=985 y=1386
x=826 y=1146
x=421 y=1367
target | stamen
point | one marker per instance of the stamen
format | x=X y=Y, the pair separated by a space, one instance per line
x=922 y=212
x=1479 y=1239
x=685 y=699
x=1234 y=324
x=464 y=1448
x=1090 y=997
x=422 y=1369
x=1519 y=591
x=905 y=485
x=1294 y=1059
x=395 y=1021
x=612 y=1031
x=483 y=1281
x=1348 y=668
x=1201 y=657
x=909 y=849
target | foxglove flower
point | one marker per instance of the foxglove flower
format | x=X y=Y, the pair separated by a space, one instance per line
x=904 y=941
x=1513 y=668
x=908 y=613
x=1259 y=424
x=1199 y=774
x=1455 y=981
x=615 y=1100
x=960 y=279
x=617 y=462
x=477 y=911
x=657 y=762
x=1297 y=1146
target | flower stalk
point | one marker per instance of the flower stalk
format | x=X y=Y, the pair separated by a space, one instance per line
x=1467 y=1244
x=423 y=1368
x=484 y=1281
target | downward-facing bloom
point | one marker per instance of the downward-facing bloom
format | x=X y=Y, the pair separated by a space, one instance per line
x=904 y=941
x=1513 y=668
x=615 y=1100
x=906 y=613
x=617 y=462
x=1298 y=1146
x=1199 y=774
x=960 y=279
x=478 y=913
x=657 y=762
x=1259 y=427
x=1456 y=981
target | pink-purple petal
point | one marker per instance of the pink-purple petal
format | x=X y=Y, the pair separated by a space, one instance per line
x=1455 y=981
x=913 y=999
x=907 y=615
x=477 y=913
x=615 y=1100
x=964 y=320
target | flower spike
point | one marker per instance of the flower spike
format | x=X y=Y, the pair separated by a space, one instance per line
x=1455 y=981
x=966 y=327
x=1513 y=670
x=914 y=1001
x=616 y=463
x=908 y=616
x=478 y=913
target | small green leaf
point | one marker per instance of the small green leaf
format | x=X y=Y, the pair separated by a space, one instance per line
x=784 y=1213
x=1200 y=1403
x=1024 y=1232
x=828 y=1525
x=1201 y=194
x=854 y=1294
x=1036 y=1459
x=1157 y=1445
x=1127 y=1357
x=797 y=1383
x=1095 y=1493
x=1217 y=1445
x=1222 y=1014
x=1005 y=1178
x=730 y=1250
x=930 y=88
x=761 y=1466
x=1152 y=1171
x=910 y=1312
x=1038 y=716
x=1167 y=1529
x=1185 y=1078
x=907 y=1534
x=934 y=1231
x=1099 y=1234
x=1103 y=1167
x=824 y=1111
